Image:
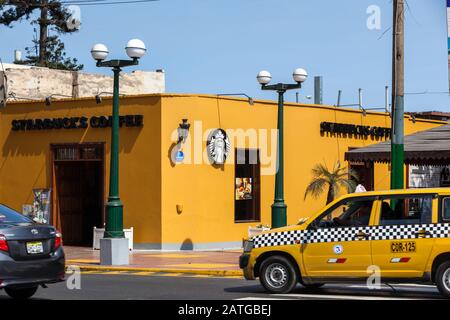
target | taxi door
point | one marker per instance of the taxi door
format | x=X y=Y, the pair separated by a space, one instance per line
x=403 y=240
x=335 y=251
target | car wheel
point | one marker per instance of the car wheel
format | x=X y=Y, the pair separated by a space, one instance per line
x=443 y=278
x=21 y=293
x=277 y=275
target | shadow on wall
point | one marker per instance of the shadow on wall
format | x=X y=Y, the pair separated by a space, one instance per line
x=187 y=245
x=25 y=143
x=32 y=180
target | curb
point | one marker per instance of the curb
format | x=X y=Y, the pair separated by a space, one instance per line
x=219 y=273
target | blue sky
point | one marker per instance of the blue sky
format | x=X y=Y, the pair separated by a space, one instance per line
x=218 y=46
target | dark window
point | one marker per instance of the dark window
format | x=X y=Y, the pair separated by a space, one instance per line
x=247 y=185
x=75 y=152
x=8 y=215
x=446 y=211
x=347 y=213
x=406 y=210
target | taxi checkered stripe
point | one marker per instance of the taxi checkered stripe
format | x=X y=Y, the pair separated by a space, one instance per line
x=332 y=234
x=394 y=232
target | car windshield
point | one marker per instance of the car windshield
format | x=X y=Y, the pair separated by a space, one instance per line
x=8 y=215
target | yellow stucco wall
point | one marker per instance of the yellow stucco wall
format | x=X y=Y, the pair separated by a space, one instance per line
x=151 y=186
x=207 y=192
x=25 y=158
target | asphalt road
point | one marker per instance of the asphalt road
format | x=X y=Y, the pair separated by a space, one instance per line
x=126 y=287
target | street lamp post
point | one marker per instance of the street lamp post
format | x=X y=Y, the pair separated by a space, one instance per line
x=114 y=244
x=279 y=207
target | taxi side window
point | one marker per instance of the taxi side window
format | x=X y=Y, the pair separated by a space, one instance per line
x=406 y=210
x=347 y=213
x=446 y=211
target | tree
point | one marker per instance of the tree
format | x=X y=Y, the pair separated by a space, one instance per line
x=338 y=178
x=52 y=16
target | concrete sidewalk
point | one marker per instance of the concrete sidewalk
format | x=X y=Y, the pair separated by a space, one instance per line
x=213 y=263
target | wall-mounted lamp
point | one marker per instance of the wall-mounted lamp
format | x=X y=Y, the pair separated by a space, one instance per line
x=48 y=99
x=98 y=96
x=183 y=130
x=250 y=99
x=13 y=96
x=364 y=112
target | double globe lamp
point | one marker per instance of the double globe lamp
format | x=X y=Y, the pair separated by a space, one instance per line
x=114 y=245
x=279 y=207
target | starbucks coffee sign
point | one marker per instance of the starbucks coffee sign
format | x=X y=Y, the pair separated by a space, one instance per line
x=75 y=123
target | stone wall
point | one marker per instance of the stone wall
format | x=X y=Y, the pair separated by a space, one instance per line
x=24 y=82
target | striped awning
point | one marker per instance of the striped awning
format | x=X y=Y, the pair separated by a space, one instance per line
x=429 y=147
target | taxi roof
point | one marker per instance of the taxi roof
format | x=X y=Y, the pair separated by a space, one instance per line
x=443 y=191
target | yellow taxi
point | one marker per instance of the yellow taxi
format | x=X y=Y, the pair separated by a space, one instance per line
x=385 y=236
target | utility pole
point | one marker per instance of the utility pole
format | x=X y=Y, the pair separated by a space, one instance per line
x=398 y=93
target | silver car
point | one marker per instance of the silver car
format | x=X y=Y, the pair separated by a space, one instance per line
x=31 y=255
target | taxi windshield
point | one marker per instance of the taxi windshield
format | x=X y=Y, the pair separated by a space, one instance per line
x=350 y=213
x=355 y=210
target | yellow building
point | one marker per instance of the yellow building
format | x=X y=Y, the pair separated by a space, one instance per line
x=174 y=195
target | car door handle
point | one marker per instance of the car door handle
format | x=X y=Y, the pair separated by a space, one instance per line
x=423 y=233
x=362 y=235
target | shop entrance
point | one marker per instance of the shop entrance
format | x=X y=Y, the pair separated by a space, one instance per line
x=364 y=171
x=78 y=181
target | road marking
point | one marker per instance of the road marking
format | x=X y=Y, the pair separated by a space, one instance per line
x=113 y=272
x=82 y=261
x=390 y=286
x=143 y=273
x=202 y=265
x=171 y=255
x=157 y=274
x=340 y=297
x=413 y=285
x=89 y=272
x=260 y=298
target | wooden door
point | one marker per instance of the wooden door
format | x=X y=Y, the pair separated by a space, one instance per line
x=79 y=193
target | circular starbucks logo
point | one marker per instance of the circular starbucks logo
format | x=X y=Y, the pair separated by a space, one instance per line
x=218 y=146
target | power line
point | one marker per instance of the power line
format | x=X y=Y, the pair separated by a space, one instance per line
x=427 y=92
x=94 y=3
x=82 y=2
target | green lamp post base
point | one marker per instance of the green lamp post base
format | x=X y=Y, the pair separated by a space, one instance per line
x=279 y=214
x=114 y=223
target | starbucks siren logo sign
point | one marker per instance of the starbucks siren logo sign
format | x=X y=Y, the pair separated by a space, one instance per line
x=218 y=146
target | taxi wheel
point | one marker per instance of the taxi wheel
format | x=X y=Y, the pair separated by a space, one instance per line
x=278 y=275
x=21 y=293
x=443 y=278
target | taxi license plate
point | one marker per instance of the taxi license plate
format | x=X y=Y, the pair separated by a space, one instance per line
x=35 y=247
x=399 y=247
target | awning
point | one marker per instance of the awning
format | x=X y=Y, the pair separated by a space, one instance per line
x=429 y=147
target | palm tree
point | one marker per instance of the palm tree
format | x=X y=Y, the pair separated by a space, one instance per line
x=339 y=177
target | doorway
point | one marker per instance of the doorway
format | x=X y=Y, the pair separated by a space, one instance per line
x=364 y=171
x=78 y=181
